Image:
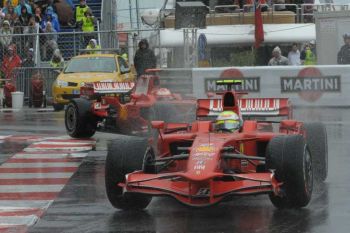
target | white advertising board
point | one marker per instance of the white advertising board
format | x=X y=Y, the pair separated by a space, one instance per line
x=303 y=85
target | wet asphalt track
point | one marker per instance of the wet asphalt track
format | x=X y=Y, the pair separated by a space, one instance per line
x=82 y=205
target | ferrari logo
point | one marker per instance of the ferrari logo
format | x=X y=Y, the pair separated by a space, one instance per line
x=205 y=148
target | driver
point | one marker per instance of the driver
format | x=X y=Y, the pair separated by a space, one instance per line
x=228 y=121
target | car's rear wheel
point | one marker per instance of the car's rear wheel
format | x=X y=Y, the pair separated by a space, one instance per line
x=291 y=159
x=79 y=121
x=124 y=157
x=316 y=139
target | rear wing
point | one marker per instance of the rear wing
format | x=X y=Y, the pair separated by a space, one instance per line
x=100 y=88
x=248 y=107
x=112 y=87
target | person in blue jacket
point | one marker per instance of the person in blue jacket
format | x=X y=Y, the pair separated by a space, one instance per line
x=51 y=16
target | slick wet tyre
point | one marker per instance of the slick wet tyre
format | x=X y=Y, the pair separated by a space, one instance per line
x=316 y=139
x=291 y=160
x=79 y=121
x=123 y=157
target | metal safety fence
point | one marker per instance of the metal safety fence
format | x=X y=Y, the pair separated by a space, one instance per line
x=23 y=76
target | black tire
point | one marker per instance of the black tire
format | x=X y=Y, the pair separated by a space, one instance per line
x=57 y=107
x=124 y=157
x=316 y=139
x=79 y=121
x=291 y=159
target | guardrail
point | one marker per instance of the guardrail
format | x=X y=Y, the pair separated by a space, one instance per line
x=22 y=78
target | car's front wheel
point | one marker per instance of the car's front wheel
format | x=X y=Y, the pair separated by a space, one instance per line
x=123 y=157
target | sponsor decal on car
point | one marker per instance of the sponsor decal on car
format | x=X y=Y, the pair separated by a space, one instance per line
x=205 y=148
x=113 y=87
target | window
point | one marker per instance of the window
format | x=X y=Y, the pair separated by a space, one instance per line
x=91 y=64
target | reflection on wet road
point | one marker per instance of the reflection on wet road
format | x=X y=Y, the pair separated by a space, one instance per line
x=82 y=205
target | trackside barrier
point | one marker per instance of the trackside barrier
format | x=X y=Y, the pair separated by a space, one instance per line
x=24 y=75
x=304 y=85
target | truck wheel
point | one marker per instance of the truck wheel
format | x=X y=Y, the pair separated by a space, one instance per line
x=57 y=107
x=291 y=159
x=124 y=156
x=316 y=140
x=79 y=121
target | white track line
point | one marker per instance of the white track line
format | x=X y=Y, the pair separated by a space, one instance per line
x=40 y=165
x=19 y=220
x=49 y=155
x=76 y=149
x=34 y=175
x=30 y=188
x=41 y=204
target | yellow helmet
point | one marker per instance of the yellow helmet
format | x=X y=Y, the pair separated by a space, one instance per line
x=228 y=121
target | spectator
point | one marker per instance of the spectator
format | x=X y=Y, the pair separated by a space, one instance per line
x=24 y=17
x=11 y=16
x=7 y=4
x=22 y=3
x=79 y=12
x=93 y=47
x=32 y=4
x=144 y=58
x=11 y=61
x=50 y=42
x=308 y=55
x=50 y=16
x=277 y=58
x=29 y=60
x=294 y=56
x=6 y=34
x=2 y=15
x=18 y=38
x=57 y=60
x=38 y=14
x=10 y=2
x=88 y=26
x=33 y=28
x=344 y=52
x=50 y=11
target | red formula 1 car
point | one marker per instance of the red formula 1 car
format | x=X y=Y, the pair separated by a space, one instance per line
x=200 y=166
x=123 y=107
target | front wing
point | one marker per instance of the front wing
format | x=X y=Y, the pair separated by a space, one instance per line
x=200 y=193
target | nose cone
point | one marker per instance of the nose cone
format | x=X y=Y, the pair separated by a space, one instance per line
x=203 y=160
